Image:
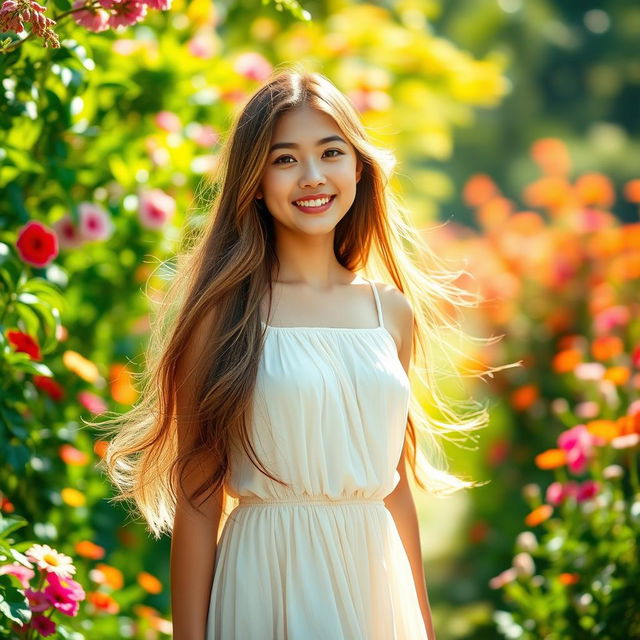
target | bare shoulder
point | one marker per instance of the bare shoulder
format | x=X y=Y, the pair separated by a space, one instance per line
x=397 y=314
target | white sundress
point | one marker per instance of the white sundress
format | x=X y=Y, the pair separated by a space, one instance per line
x=321 y=559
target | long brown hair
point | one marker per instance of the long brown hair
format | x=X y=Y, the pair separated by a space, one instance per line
x=223 y=272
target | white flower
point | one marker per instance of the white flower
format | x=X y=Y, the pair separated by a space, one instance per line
x=51 y=560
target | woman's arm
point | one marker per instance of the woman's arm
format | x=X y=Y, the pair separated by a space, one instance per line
x=194 y=536
x=400 y=501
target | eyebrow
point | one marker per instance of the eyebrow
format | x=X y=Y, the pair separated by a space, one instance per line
x=293 y=145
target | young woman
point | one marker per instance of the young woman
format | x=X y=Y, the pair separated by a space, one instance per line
x=277 y=383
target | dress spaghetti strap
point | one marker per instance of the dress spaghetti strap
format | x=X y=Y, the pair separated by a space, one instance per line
x=377 y=298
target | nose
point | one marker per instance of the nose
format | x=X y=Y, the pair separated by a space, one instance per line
x=312 y=176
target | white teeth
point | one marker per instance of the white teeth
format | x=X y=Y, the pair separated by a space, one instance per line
x=313 y=203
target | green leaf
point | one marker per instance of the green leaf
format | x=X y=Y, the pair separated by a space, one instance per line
x=13 y=603
x=9 y=524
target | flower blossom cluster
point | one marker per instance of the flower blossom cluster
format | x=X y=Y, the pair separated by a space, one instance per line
x=111 y=14
x=56 y=590
x=14 y=13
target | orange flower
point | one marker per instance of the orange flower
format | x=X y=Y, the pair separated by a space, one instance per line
x=606 y=243
x=103 y=602
x=570 y=341
x=618 y=375
x=494 y=213
x=144 y=611
x=605 y=429
x=539 y=515
x=631 y=235
x=121 y=381
x=72 y=456
x=149 y=583
x=479 y=189
x=567 y=579
x=631 y=191
x=526 y=223
x=551 y=459
x=100 y=447
x=550 y=192
x=551 y=155
x=524 y=397
x=88 y=549
x=106 y=574
x=82 y=367
x=595 y=188
x=566 y=361
x=606 y=347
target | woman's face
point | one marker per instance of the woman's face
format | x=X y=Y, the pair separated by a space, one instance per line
x=306 y=167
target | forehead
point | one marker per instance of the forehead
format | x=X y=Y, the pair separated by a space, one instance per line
x=302 y=124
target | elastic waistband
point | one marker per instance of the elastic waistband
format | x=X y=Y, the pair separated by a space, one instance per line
x=306 y=500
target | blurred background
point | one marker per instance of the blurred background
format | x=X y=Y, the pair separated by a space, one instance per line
x=515 y=124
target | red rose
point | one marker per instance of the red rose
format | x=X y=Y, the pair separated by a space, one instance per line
x=25 y=343
x=37 y=244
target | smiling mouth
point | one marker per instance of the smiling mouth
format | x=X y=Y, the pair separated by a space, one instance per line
x=314 y=209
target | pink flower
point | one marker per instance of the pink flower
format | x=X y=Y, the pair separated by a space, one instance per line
x=69 y=236
x=92 y=402
x=43 y=625
x=558 y=492
x=610 y=319
x=95 y=222
x=202 y=134
x=253 y=66
x=160 y=5
x=203 y=45
x=509 y=575
x=578 y=442
x=14 y=12
x=37 y=600
x=168 y=121
x=94 y=19
x=124 y=13
x=587 y=490
x=156 y=208
x=64 y=594
x=24 y=574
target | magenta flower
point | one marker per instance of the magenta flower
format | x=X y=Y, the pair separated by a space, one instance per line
x=92 y=18
x=558 y=492
x=95 y=222
x=64 y=594
x=38 y=601
x=156 y=208
x=253 y=66
x=24 y=574
x=43 y=625
x=578 y=443
x=587 y=490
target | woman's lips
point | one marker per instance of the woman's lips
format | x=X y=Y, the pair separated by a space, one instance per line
x=324 y=207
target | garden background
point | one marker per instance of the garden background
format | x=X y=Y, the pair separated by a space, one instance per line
x=515 y=124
